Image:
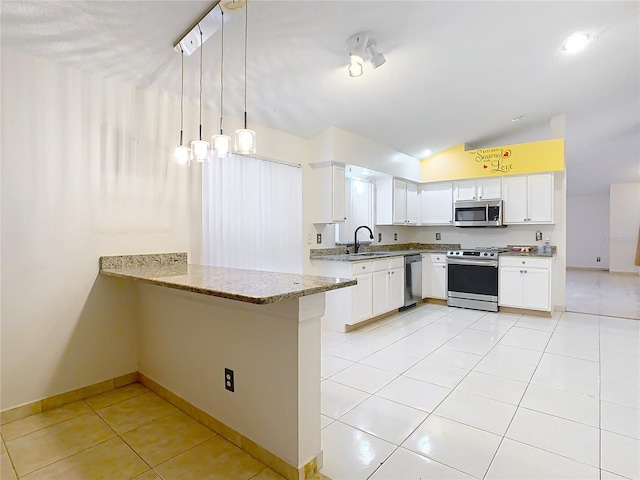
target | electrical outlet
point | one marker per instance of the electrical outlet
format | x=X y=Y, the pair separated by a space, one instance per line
x=395 y=236
x=597 y=259
x=229 y=384
x=379 y=237
x=438 y=236
x=319 y=238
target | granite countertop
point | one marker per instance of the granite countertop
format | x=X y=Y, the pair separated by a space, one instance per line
x=250 y=286
x=371 y=253
x=346 y=257
x=532 y=253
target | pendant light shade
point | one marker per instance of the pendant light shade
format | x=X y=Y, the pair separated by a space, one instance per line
x=182 y=153
x=245 y=138
x=200 y=148
x=221 y=143
x=245 y=141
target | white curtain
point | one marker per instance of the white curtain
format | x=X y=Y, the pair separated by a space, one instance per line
x=252 y=214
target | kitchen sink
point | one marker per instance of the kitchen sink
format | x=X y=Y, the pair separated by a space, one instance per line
x=369 y=254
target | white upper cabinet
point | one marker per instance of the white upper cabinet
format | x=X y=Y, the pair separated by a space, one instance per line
x=396 y=202
x=436 y=207
x=413 y=203
x=528 y=199
x=329 y=206
x=479 y=189
x=399 y=201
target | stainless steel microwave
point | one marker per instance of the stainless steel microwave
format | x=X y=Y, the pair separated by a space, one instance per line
x=478 y=213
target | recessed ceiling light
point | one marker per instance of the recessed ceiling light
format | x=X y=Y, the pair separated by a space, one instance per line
x=517 y=119
x=365 y=172
x=427 y=152
x=576 y=42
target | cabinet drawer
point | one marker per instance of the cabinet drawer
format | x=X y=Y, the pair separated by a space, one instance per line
x=396 y=262
x=380 y=264
x=358 y=268
x=525 y=262
x=438 y=258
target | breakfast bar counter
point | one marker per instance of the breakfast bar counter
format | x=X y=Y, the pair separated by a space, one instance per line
x=241 y=348
x=251 y=286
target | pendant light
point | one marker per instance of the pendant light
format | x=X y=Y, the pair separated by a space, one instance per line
x=221 y=143
x=182 y=153
x=200 y=148
x=245 y=139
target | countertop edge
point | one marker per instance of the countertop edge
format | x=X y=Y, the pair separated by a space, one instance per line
x=257 y=300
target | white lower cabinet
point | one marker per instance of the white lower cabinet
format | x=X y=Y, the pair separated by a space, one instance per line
x=388 y=285
x=525 y=283
x=434 y=276
x=379 y=290
x=396 y=287
x=361 y=306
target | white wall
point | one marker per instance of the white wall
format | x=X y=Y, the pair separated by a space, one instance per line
x=624 y=224
x=273 y=350
x=87 y=171
x=588 y=231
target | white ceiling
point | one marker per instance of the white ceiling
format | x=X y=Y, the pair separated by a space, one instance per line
x=456 y=72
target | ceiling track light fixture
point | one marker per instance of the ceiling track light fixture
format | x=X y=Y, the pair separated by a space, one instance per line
x=221 y=143
x=200 y=148
x=182 y=153
x=361 y=47
x=245 y=138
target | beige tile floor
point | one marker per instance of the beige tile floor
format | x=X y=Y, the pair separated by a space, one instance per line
x=128 y=433
x=603 y=293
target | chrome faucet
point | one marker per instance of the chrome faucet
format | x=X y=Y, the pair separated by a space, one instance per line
x=355 y=237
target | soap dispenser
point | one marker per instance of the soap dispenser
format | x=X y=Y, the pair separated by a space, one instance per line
x=547 y=246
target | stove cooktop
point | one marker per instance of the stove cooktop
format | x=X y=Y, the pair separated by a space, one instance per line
x=480 y=252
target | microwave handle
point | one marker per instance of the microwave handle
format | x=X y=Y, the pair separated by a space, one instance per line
x=486 y=214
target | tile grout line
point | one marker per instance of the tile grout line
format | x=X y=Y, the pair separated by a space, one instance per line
x=452 y=389
x=521 y=398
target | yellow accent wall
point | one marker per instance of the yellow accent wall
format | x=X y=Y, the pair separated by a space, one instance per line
x=457 y=163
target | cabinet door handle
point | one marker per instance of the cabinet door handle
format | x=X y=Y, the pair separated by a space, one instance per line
x=520 y=271
x=363 y=267
x=523 y=262
x=525 y=271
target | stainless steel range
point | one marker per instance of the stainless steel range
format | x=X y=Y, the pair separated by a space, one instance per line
x=472 y=278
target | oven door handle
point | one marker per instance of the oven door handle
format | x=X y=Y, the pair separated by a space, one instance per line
x=468 y=261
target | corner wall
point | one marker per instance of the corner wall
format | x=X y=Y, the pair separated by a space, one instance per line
x=623 y=230
x=588 y=231
x=86 y=172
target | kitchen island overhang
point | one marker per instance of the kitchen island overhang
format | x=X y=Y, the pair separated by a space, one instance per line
x=195 y=321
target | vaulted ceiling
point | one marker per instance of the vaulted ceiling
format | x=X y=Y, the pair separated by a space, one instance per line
x=456 y=72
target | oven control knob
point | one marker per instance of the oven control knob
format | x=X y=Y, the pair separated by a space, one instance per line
x=485 y=254
x=493 y=254
x=457 y=253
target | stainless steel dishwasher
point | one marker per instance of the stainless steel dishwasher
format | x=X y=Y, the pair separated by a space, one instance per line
x=412 y=280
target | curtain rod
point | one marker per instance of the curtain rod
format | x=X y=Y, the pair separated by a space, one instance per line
x=265 y=159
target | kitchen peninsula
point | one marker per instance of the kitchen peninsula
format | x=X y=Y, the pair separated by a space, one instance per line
x=196 y=321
